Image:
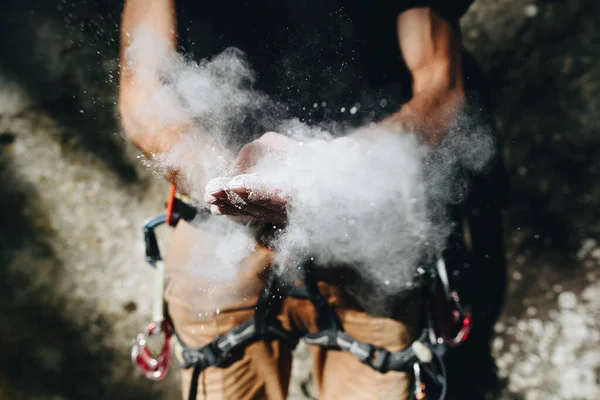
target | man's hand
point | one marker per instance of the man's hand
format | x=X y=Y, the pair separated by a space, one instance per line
x=245 y=194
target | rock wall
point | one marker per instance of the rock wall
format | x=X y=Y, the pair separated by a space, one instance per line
x=541 y=59
x=75 y=288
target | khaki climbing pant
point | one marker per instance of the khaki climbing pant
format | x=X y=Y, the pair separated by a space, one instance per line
x=202 y=307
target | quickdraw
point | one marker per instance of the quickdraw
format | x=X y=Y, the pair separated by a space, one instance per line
x=155 y=368
x=152 y=368
x=448 y=323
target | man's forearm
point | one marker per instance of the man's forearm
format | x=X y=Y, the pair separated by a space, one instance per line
x=431 y=49
x=151 y=113
x=156 y=15
x=139 y=80
x=428 y=115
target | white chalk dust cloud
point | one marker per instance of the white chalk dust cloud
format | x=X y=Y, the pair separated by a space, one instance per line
x=377 y=205
x=354 y=202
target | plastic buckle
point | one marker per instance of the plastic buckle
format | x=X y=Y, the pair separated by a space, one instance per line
x=208 y=356
x=362 y=351
x=227 y=342
x=152 y=368
x=379 y=361
x=326 y=339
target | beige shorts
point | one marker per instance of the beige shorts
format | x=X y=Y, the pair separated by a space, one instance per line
x=202 y=308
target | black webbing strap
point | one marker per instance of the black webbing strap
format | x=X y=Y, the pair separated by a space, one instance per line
x=222 y=350
x=378 y=358
x=332 y=336
x=327 y=318
x=187 y=211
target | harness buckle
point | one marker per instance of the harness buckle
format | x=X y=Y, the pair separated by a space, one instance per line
x=152 y=368
x=229 y=342
x=379 y=361
x=362 y=351
x=206 y=356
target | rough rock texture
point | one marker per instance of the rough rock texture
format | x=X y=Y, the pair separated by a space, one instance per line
x=75 y=289
x=542 y=63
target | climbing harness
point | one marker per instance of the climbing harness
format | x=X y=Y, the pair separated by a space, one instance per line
x=447 y=323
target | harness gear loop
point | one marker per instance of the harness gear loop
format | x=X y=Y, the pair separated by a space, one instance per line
x=221 y=351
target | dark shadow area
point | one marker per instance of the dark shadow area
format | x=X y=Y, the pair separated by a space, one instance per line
x=45 y=352
x=65 y=56
x=545 y=89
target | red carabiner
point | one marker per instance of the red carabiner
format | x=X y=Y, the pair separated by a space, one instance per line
x=446 y=316
x=152 y=368
x=461 y=318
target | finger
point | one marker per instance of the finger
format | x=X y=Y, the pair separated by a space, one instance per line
x=250 y=197
x=277 y=141
x=271 y=202
x=252 y=190
x=251 y=210
x=217 y=196
x=277 y=217
x=225 y=197
x=234 y=199
x=248 y=156
x=216 y=187
x=272 y=199
x=227 y=209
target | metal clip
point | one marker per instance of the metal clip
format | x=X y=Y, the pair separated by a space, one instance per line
x=462 y=318
x=446 y=312
x=152 y=368
x=419 y=384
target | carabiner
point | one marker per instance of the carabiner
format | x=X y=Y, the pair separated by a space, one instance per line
x=419 y=392
x=152 y=368
x=450 y=322
x=461 y=317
